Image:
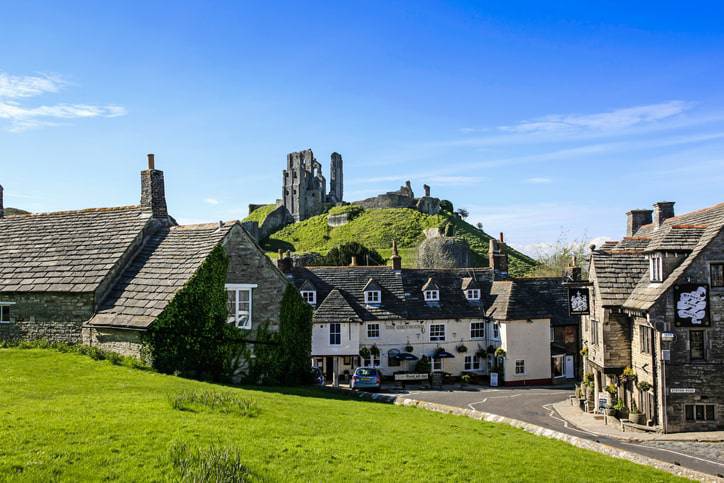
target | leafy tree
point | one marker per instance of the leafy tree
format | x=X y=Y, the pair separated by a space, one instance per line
x=553 y=261
x=479 y=225
x=446 y=205
x=342 y=255
x=295 y=338
x=463 y=213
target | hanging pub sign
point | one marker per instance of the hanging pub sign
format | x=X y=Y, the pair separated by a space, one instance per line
x=692 y=305
x=579 y=301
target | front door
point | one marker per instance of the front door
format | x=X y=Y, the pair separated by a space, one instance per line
x=329 y=369
x=569 y=367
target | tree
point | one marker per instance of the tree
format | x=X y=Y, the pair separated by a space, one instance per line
x=446 y=205
x=342 y=255
x=479 y=225
x=295 y=338
x=463 y=213
x=554 y=260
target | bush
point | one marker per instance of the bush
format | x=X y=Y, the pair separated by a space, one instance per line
x=215 y=463
x=224 y=402
x=341 y=255
x=446 y=205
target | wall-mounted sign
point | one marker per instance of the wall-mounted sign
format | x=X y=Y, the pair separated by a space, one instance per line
x=682 y=390
x=692 y=305
x=579 y=301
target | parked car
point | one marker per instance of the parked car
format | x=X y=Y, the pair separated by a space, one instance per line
x=318 y=376
x=367 y=378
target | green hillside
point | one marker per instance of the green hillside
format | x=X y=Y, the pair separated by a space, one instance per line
x=69 y=418
x=377 y=228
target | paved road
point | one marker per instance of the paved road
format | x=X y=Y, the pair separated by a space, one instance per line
x=533 y=405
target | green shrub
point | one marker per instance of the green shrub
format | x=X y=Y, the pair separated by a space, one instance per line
x=212 y=464
x=224 y=402
x=84 y=350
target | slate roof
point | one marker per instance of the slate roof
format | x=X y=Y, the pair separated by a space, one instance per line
x=530 y=298
x=615 y=274
x=430 y=285
x=158 y=272
x=350 y=282
x=452 y=303
x=67 y=251
x=694 y=230
x=336 y=308
x=632 y=243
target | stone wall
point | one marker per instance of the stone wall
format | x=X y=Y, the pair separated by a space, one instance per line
x=125 y=342
x=56 y=317
x=275 y=221
x=388 y=200
x=704 y=377
x=248 y=264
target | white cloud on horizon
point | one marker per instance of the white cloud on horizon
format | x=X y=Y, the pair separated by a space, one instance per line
x=211 y=201
x=538 y=180
x=21 y=117
x=603 y=121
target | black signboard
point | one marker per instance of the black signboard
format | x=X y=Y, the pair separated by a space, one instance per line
x=579 y=301
x=691 y=302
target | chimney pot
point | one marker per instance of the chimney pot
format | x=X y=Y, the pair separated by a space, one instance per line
x=353 y=263
x=502 y=237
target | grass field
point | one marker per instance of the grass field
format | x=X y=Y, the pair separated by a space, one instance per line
x=68 y=417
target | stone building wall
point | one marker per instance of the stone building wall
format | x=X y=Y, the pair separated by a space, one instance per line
x=124 y=342
x=56 y=317
x=704 y=377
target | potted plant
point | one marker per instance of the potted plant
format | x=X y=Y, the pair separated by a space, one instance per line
x=620 y=409
x=634 y=415
x=461 y=348
x=610 y=410
x=465 y=379
x=643 y=386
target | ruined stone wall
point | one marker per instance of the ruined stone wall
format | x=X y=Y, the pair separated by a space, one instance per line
x=388 y=200
x=57 y=317
x=124 y=342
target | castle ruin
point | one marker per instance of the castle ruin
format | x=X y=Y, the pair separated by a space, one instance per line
x=304 y=192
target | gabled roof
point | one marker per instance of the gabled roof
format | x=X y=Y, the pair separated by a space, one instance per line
x=351 y=282
x=676 y=239
x=430 y=285
x=307 y=286
x=469 y=283
x=615 y=273
x=452 y=304
x=530 y=298
x=372 y=286
x=164 y=266
x=336 y=308
x=67 y=251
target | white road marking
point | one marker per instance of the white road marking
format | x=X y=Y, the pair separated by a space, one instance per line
x=675 y=452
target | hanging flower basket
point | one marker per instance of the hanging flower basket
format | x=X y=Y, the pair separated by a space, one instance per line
x=364 y=353
x=461 y=348
x=628 y=375
x=499 y=352
x=643 y=386
x=375 y=351
x=409 y=348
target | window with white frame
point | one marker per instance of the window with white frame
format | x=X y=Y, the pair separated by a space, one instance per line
x=520 y=367
x=373 y=296
x=472 y=363
x=5 y=312
x=436 y=364
x=645 y=339
x=335 y=333
x=239 y=304
x=432 y=295
x=477 y=330
x=373 y=330
x=309 y=296
x=373 y=361
x=594 y=332
x=437 y=332
x=656 y=267
x=496 y=331
x=472 y=294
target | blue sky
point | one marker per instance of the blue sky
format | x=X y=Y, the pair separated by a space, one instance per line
x=541 y=120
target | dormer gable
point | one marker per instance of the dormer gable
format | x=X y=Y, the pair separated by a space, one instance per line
x=372 y=293
x=471 y=289
x=431 y=291
x=309 y=293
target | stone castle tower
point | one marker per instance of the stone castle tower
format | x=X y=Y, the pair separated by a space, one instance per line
x=304 y=192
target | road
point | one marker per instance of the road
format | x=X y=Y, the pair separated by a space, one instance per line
x=533 y=405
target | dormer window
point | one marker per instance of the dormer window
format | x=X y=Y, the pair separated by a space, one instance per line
x=656 y=268
x=432 y=295
x=309 y=296
x=373 y=293
x=308 y=292
x=373 y=297
x=472 y=294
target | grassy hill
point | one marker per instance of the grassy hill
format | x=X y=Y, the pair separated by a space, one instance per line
x=377 y=228
x=66 y=417
x=15 y=211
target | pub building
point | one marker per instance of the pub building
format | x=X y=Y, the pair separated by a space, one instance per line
x=656 y=324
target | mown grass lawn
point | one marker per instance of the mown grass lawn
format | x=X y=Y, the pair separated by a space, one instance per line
x=68 y=417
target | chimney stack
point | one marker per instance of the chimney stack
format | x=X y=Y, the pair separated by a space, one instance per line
x=497 y=256
x=396 y=258
x=153 y=192
x=2 y=207
x=635 y=219
x=663 y=210
x=284 y=262
x=573 y=271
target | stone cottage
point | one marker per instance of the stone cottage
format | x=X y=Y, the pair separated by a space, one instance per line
x=657 y=317
x=102 y=276
x=456 y=317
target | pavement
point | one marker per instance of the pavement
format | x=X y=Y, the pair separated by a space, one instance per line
x=540 y=406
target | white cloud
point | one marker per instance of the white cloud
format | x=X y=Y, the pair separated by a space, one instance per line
x=538 y=180
x=604 y=121
x=211 y=201
x=21 y=117
x=12 y=87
